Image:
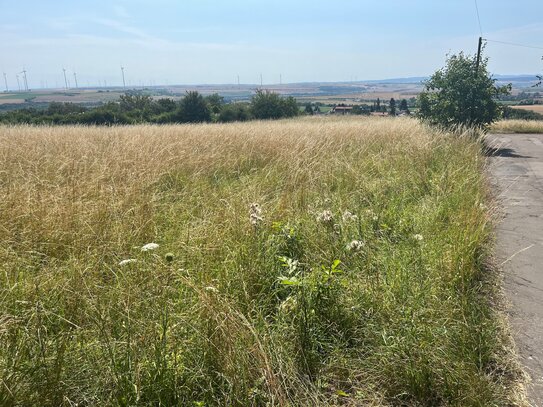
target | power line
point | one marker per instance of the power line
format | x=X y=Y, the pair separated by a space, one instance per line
x=514 y=44
x=479 y=18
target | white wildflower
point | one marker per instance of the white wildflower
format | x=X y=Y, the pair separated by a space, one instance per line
x=211 y=289
x=149 y=246
x=288 y=305
x=372 y=215
x=349 y=217
x=355 y=245
x=127 y=261
x=255 y=214
x=418 y=237
x=325 y=217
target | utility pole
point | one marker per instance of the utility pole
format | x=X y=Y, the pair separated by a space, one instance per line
x=122 y=71
x=65 y=80
x=479 y=49
x=477 y=63
x=6 y=81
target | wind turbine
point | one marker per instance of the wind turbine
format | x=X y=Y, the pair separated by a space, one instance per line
x=260 y=80
x=24 y=77
x=122 y=71
x=18 y=83
x=65 y=80
x=75 y=79
x=6 y=81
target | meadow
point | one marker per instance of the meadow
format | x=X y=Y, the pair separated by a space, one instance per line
x=518 y=126
x=308 y=262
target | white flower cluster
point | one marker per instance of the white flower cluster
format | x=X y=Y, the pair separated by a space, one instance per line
x=418 y=237
x=149 y=246
x=325 y=217
x=255 y=214
x=349 y=217
x=127 y=261
x=355 y=246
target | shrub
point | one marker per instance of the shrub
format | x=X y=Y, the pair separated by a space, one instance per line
x=269 y=105
x=235 y=112
x=461 y=94
x=194 y=109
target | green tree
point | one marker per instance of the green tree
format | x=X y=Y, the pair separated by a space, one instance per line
x=392 y=106
x=193 y=108
x=234 y=112
x=269 y=105
x=461 y=94
x=309 y=109
x=403 y=105
x=130 y=102
x=215 y=102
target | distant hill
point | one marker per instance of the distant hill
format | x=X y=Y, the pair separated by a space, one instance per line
x=526 y=79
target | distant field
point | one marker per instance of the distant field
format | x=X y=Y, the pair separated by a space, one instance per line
x=310 y=262
x=518 y=126
x=533 y=108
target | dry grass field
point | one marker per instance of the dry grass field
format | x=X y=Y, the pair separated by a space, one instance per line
x=533 y=108
x=518 y=126
x=318 y=262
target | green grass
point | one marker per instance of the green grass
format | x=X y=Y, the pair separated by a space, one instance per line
x=286 y=310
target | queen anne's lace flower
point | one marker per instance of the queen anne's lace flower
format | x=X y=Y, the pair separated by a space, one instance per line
x=255 y=214
x=149 y=246
x=325 y=217
x=355 y=246
x=349 y=217
x=127 y=261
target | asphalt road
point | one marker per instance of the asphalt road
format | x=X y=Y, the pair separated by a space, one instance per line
x=517 y=169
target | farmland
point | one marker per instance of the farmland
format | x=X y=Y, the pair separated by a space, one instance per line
x=303 y=262
x=533 y=108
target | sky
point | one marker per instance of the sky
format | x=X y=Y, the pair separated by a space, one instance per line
x=165 y=42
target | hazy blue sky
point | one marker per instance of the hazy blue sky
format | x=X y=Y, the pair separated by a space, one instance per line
x=204 y=41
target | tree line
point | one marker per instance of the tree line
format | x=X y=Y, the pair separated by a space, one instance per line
x=134 y=108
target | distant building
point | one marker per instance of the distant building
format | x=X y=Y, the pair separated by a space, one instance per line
x=341 y=110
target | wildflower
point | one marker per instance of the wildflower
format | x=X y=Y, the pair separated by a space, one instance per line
x=127 y=261
x=211 y=289
x=418 y=237
x=349 y=217
x=255 y=214
x=372 y=215
x=149 y=246
x=288 y=305
x=325 y=217
x=355 y=245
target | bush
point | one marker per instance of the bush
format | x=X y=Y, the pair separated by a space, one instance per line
x=194 y=109
x=269 y=105
x=461 y=94
x=235 y=112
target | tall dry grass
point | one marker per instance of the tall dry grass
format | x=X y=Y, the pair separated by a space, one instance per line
x=518 y=126
x=361 y=281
